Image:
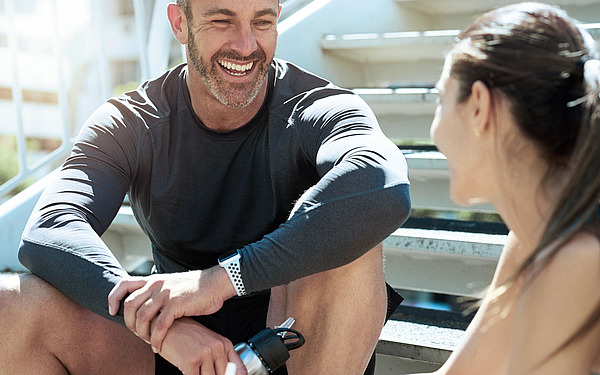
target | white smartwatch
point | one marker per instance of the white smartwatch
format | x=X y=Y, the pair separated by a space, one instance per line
x=231 y=262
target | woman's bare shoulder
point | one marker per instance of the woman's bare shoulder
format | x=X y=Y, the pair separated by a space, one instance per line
x=553 y=306
x=580 y=253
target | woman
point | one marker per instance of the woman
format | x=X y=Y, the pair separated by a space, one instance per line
x=519 y=122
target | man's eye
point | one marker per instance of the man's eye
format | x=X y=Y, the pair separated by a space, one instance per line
x=263 y=24
x=221 y=22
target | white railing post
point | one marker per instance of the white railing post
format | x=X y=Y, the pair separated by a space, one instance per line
x=26 y=170
x=60 y=73
x=154 y=37
x=139 y=10
x=17 y=93
x=158 y=45
x=102 y=61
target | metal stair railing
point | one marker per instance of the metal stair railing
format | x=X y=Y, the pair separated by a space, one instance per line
x=25 y=171
x=154 y=38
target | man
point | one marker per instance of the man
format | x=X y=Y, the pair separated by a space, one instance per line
x=235 y=151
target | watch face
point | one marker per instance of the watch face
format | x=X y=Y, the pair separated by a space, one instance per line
x=229 y=255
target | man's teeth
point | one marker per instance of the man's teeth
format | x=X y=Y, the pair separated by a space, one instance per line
x=236 y=69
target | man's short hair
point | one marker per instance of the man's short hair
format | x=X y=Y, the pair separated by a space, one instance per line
x=187 y=10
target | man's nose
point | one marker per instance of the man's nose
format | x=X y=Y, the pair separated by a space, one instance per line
x=244 y=41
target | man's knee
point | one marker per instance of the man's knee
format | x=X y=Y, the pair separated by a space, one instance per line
x=27 y=303
x=45 y=324
x=364 y=272
x=38 y=312
x=356 y=290
x=359 y=285
x=367 y=267
x=27 y=290
x=326 y=307
x=16 y=292
x=17 y=309
x=9 y=286
x=9 y=293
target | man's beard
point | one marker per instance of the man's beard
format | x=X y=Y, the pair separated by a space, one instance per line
x=233 y=95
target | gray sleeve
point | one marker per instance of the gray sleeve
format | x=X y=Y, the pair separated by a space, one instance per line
x=361 y=198
x=61 y=242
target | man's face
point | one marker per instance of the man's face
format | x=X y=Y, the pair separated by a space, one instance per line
x=231 y=44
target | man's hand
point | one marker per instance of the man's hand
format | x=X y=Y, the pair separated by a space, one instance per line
x=160 y=299
x=195 y=349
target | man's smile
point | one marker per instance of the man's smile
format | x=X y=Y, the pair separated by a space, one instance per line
x=235 y=68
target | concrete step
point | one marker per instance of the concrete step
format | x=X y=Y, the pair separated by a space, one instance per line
x=403 y=57
x=400 y=101
x=390 y=47
x=430 y=183
x=418 y=340
x=441 y=261
x=447 y=8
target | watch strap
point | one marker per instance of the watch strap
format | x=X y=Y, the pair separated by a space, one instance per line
x=231 y=263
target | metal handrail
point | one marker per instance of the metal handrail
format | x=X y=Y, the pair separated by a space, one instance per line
x=49 y=161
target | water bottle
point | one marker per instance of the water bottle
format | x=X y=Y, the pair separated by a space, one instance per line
x=266 y=351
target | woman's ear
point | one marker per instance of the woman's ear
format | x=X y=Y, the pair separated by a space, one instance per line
x=480 y=105
x=178 y=22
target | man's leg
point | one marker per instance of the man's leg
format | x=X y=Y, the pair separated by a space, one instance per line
x=340 y=313
x=44 y=332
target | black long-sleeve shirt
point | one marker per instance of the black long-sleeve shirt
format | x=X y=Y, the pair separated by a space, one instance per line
x=311 y=183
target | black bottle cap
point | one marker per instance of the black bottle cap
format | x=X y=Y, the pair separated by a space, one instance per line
x=271 y=348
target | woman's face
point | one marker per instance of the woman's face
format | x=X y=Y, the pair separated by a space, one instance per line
x=453 y=132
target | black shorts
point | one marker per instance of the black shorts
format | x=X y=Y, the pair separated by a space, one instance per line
x=240 y=318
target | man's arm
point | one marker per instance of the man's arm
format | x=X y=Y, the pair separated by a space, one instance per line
x=61 y=242
x=361 y=197
x=194 y=349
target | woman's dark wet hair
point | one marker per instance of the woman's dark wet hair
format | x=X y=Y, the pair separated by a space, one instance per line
x=532 y=53
x=545 y=65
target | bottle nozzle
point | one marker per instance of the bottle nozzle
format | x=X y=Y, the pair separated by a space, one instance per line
x=287 y=324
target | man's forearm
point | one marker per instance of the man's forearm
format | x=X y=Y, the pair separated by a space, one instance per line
x=323 y=238
x=87 y=283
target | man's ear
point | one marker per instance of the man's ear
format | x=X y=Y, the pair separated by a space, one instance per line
x=178 y=22
x=480 y=105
